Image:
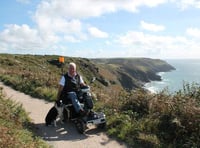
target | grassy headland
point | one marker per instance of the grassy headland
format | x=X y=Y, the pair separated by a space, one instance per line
x=135 y=116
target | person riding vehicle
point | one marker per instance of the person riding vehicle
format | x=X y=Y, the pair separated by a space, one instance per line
x=69 y=85
x=76 y=101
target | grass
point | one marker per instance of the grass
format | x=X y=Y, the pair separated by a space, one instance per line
x=15 y=126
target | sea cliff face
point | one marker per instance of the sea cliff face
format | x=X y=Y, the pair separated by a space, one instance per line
x=134 y=72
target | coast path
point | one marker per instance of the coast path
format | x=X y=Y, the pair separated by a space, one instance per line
x=64 y=135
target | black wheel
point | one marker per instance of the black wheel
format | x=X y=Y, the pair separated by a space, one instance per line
x=102 y=125
x=80 y=125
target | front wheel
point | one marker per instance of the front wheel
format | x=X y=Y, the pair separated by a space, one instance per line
x=80 y=125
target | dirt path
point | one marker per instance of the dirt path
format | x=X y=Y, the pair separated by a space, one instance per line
x=61 y=136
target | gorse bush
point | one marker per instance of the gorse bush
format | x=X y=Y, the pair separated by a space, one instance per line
x=136 y=102
x=169 y=120
x=179 y=118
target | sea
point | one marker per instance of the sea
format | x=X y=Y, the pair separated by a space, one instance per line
x=187 y=72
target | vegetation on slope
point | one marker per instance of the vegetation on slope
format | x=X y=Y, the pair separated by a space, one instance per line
x=15 y=126
x=156 y=120
x=139 y=118
x=38 y=75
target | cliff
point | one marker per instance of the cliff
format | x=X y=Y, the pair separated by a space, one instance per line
x=134 y=72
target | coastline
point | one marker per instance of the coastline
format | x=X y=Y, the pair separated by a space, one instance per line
x=187 y=72
x=150 y=86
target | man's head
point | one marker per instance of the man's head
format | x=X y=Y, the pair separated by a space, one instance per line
x=72 y=69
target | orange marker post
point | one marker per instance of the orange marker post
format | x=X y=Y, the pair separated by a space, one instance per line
x=61 y=59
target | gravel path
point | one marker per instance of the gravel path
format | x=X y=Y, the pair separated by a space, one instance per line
x=64 y=135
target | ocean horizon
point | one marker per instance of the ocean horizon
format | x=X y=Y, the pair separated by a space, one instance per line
x=187 y=72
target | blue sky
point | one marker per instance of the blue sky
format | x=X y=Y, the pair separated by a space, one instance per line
x=101 y=28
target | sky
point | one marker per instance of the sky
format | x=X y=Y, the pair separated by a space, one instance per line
x=164 y=29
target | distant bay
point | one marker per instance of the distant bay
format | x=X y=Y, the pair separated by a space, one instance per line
x=187 y=71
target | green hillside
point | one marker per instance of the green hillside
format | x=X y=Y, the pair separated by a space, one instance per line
x=137 y=117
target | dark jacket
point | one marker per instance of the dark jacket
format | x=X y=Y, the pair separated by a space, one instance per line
x=71 y=85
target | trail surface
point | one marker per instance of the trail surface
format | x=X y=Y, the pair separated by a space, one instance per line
x=64 y=135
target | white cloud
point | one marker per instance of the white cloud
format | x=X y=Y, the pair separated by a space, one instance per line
x=95 y=32
x=22 y=38
x=185 y=4
x=57 y=17
x=194 y=32
x=90 y=8
x=71 y=39
x=18 y=34
x=138 y=43
x=147 y=40
x=60 y=20
x=151 y=27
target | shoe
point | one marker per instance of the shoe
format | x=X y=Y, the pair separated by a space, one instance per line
x=92 y=116
x=91 y=113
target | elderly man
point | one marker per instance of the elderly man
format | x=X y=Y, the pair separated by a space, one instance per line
x=69 y=85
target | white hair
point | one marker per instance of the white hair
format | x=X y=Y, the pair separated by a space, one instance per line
x=72 y=64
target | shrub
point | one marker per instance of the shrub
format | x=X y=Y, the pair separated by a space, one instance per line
x=15 y=126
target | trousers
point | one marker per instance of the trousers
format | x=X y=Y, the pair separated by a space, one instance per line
x=75 y=102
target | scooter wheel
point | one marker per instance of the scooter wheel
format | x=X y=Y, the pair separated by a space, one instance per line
x=81 y=127
x=101 y=125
